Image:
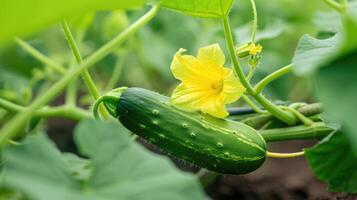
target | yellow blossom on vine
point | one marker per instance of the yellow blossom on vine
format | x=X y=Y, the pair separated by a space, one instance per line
x=205 y=84
x=255 y=49
x=249 y=49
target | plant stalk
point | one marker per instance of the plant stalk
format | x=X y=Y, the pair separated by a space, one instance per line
x=255 y=20
x=271 y=77
x=93 y=90
x=75 y=50
x=69 y=112
x=316 y=131
x=39 y=56
x=282 y=115
x=335 y=5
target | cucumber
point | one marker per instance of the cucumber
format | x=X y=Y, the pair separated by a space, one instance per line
x=220 y=145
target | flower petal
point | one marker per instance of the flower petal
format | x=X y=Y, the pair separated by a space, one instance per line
x=212 y=54
x=187 y=97
x=185 y=67
x=232 y=88
x=213 y=106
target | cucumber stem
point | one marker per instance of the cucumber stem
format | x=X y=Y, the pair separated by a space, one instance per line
x=284 y=155
x=317 y=130
x=96 y=107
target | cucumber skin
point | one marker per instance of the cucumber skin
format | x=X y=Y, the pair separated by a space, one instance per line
x=220 y=145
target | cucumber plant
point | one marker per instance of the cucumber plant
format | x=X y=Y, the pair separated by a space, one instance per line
x=191 y=125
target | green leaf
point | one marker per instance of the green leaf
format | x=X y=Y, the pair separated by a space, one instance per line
x=336 y=83
x=37 y=169
x=335 y=87
x=311 y=53
x=328 y=21
x=200 y=8
x=26 y=16
x=333 y=162
x=118 y=169
x=79 y=168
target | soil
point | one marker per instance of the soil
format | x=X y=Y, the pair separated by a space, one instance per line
x=277 y=179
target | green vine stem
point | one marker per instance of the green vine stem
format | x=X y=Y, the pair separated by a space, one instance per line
x=305 y=120
x=7 y=105
x=284 y=116
x=337 y=6
x=117 y=70
x=252 y=104
x=14 y=126
x=255 y=20
x=93 y=90
x=271 y=77
x=259 y=120
x=316 y=131
x=38 y=55
x=75 y=50
x=71 y=92
x=251 y=73
x=68 y=112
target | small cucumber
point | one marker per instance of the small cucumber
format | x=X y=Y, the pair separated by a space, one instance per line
x=220 y=145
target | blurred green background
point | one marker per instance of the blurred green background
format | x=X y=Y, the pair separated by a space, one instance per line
x=145 y=59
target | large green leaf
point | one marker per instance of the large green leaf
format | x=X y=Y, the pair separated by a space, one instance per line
x=336 y=87
x=333 y=162
x=25 y=16
x=118 y=169
x=334 y=63
x=336 y=84
x=311 y=53
x=328 y=21
x=200 y=8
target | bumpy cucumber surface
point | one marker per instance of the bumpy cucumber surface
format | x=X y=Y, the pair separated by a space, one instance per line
x=220 y=145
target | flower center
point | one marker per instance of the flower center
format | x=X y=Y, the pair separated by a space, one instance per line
x=217 y=85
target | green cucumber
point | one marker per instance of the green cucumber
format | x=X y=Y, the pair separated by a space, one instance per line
x=220 y=145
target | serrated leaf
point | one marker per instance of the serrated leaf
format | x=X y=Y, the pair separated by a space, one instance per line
x=26 y=16
x=311 y=53
x=200 y=8
x=118 y=169
x=334 y=163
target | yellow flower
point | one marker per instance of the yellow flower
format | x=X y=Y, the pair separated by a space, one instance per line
x=205 y=84
x=249 y=49
x=255 y=49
